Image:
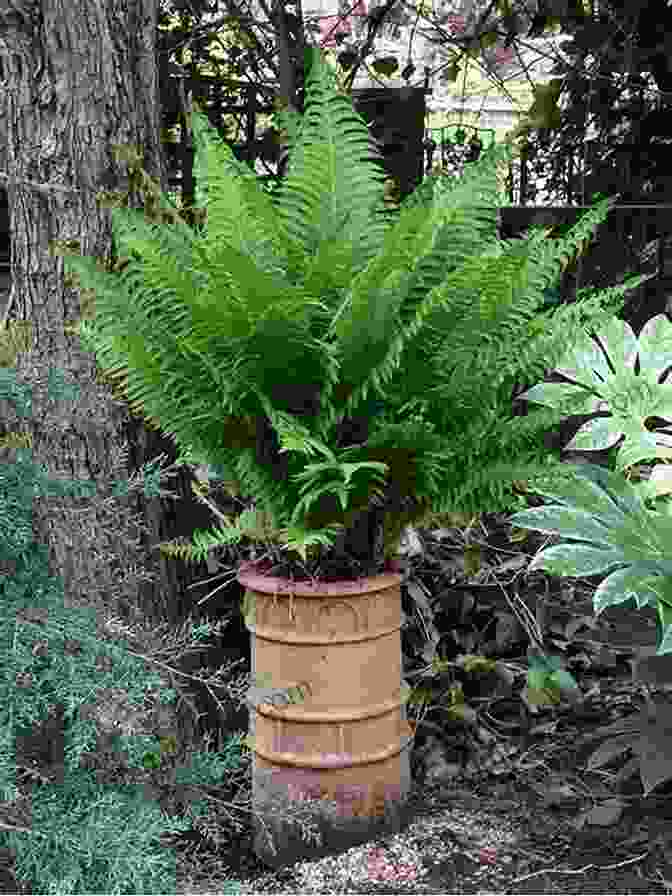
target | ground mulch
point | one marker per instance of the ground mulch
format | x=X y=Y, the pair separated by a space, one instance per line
x=524 y=828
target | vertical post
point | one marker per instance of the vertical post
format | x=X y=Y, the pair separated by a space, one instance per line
x=187 y=157
x=660 y=251
x=523 y=175
x=569 y=172
x=509 y=182
x=216 y=97
x=578 y=283
x=250 y=125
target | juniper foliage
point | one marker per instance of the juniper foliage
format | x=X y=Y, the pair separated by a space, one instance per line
x=82 y=745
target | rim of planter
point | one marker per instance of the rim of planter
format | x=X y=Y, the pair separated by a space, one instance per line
x=252 y=574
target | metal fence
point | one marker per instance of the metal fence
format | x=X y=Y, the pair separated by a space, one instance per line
x=635 y=238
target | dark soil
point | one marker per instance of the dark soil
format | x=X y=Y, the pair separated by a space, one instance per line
x=545 y=795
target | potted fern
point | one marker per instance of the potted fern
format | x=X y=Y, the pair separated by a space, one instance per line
x=316 y=351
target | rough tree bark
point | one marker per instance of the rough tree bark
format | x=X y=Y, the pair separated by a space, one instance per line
x=79 y=76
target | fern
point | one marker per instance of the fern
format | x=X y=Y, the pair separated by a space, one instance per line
x=299 y=317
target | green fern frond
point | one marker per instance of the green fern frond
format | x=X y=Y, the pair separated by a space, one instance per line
x=241 y=215
x=305 y=322
x=202 y=543
x=256 y=525
x=425 y=245
x=500 y=338
x=334 y=184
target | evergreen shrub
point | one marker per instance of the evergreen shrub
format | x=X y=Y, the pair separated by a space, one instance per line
x=87 y=734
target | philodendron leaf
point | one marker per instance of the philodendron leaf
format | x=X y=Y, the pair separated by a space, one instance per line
x=586 y=363
x=619 y=344
x=665 y=645
x=612 y=748
x=604 y=367
x=639 y=445
x=598 y=435
x=554 y=395
x=576 y=560
x=621 y=586
x=655 y=348
x=661 y=405
x=576 y=524
x=661 y=585
x=621 y=538
x=563 y=679
x=617 y=498
x=593 y=490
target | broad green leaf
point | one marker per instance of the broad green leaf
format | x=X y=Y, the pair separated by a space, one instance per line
x=655 y=347
x=661 y=405
x=593 y=490
x=596 y=435
x=662 y=586
x=563 y=679
x=622 y=498
x=576 y=560
x=630 y=399
x=623 y=585
x=554 y=395
x=637 y=448
x=573 y=523
x=620 y=345
x=585 y=363
x=665 y=645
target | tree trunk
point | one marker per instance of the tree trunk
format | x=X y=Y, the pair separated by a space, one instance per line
x=78 y=77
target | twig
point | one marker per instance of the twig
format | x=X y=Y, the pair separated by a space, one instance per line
x=581 y=870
